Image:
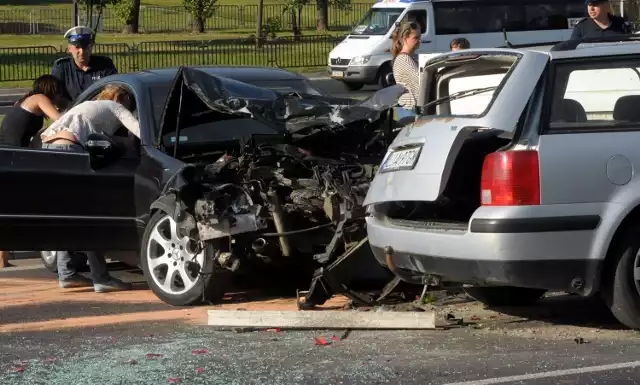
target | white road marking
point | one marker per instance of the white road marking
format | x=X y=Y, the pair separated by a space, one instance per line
x=555 y=373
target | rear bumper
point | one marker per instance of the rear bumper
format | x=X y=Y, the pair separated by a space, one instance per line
x=355 y=74
x=543 y=252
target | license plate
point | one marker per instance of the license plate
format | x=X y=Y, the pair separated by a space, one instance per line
x=401 y=160
x=337 y=74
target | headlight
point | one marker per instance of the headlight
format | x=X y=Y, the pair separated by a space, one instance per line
x=360 y=60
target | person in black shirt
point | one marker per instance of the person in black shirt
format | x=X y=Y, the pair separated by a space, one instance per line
x=25 y=119
x=82 y=68
x=600 y=23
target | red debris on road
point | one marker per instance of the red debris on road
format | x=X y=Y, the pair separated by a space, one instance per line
x=321 y=341
x=201 y=351
x=153 y=355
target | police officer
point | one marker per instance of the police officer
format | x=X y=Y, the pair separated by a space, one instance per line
x=82 y=68
x=600 y=22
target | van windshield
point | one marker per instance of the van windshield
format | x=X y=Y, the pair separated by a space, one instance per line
x=378 y=21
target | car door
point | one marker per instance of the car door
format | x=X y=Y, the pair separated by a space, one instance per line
x=56 y=200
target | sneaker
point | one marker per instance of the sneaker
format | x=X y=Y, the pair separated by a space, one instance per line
x=113 y=284
x=75 y=281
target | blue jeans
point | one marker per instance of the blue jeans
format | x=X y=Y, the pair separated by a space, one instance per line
x=97 y=265
x=97 y=262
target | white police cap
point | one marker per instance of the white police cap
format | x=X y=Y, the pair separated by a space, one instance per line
x=80 y=35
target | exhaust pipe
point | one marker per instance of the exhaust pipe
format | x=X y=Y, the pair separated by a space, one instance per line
x=278 y=220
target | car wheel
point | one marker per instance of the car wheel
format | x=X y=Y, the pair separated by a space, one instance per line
x=353 y=86
x=172 y=265
x=621 y=286
x=504 y=295
x=384 y=76
x=50 y=260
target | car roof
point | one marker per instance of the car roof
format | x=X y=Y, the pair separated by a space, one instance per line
x=166 y=75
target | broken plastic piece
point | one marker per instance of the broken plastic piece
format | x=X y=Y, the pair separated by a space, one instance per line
x=19 y=369
x=175 y=380
x=321 y=341
x=199 y=370
x=153 y=355
x=335 y=338
x=201 y=351
x=148 y=335
x=275 y=330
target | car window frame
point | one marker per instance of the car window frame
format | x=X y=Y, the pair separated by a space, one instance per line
x=547 y=129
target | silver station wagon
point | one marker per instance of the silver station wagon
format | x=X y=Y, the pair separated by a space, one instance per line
x=519 y=176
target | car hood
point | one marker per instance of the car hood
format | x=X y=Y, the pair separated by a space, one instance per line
x=196 y=96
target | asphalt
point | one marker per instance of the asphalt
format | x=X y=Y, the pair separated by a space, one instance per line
x=563 y=340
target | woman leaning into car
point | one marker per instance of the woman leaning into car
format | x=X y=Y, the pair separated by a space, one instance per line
x=45 y=99
x=406 y=39
x=111 y=110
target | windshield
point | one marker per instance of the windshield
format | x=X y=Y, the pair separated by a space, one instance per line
x=378 y=21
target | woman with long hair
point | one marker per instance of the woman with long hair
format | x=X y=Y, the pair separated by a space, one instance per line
x=112 y=109
x=406 y=40
x=46 y=98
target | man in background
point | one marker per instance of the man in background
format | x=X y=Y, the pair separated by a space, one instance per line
x=600 y=23
x=82 y=68
x=459 y=43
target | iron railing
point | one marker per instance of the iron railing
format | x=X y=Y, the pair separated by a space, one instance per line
x=27 y=63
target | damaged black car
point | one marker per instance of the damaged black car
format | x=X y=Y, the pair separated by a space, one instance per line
x=228 y=179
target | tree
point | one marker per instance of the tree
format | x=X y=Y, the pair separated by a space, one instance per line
x=294 y=9
x=322 y=11
x=92 y=7
x=128 y=13
x=201 y=11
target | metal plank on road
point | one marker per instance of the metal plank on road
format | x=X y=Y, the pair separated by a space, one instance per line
x=322 y=319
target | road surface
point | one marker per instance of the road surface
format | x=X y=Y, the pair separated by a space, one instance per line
x=53 y=336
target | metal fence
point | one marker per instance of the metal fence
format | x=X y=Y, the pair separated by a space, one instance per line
x=27 y=63
x=44 y=20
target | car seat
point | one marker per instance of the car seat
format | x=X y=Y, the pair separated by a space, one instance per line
x=627 y=108
x=569 y=111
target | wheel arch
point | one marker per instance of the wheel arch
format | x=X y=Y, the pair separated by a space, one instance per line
x=166 y=204
x=382 y=67
x=628 y=219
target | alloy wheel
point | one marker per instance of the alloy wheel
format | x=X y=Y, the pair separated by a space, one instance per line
x=174 y=262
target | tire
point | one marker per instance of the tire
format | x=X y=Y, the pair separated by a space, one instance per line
x=382 y=75
x=191 y=286
x=621 y=288
x=353 y=86
x=504 y=295
x=49 y=260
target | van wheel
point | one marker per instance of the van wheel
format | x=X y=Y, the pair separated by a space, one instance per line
x=353 y=86
x=621 y=286
x=172 y=265
x=504 y=295
x=50 y=260
x=383 y=75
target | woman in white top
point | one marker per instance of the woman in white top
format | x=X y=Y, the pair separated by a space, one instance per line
x=406 y=40
x=106 y=115
x=111 y=110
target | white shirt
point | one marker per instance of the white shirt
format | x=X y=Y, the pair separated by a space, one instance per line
x=99 y=116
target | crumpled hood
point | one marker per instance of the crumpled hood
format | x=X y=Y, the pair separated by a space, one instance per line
x=284 y=113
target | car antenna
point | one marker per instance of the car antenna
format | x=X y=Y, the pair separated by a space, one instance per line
x=506 y=40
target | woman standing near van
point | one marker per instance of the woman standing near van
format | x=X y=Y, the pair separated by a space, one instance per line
x=406 y=39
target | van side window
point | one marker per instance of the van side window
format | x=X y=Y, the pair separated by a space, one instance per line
x=418 y=16
x=596 y=96
x=455 y=18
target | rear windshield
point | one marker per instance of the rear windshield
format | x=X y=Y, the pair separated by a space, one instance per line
x=468 y=88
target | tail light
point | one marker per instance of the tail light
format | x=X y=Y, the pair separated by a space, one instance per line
x=510 y=178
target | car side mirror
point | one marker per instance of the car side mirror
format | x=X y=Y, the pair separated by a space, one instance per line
x=101 y=148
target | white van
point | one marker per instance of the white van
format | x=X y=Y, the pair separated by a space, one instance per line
x=364 y=57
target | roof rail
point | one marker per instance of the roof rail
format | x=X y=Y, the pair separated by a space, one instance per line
x=570 y=45
x=540 y=44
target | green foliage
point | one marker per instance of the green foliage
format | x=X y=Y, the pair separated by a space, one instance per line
x=271 y=26
x=344 y=5
x=200 y=9
x=123 y=10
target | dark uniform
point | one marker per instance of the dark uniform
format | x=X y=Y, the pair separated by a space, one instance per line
x=75 y=79
x=588 y=28
x=78 y=80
